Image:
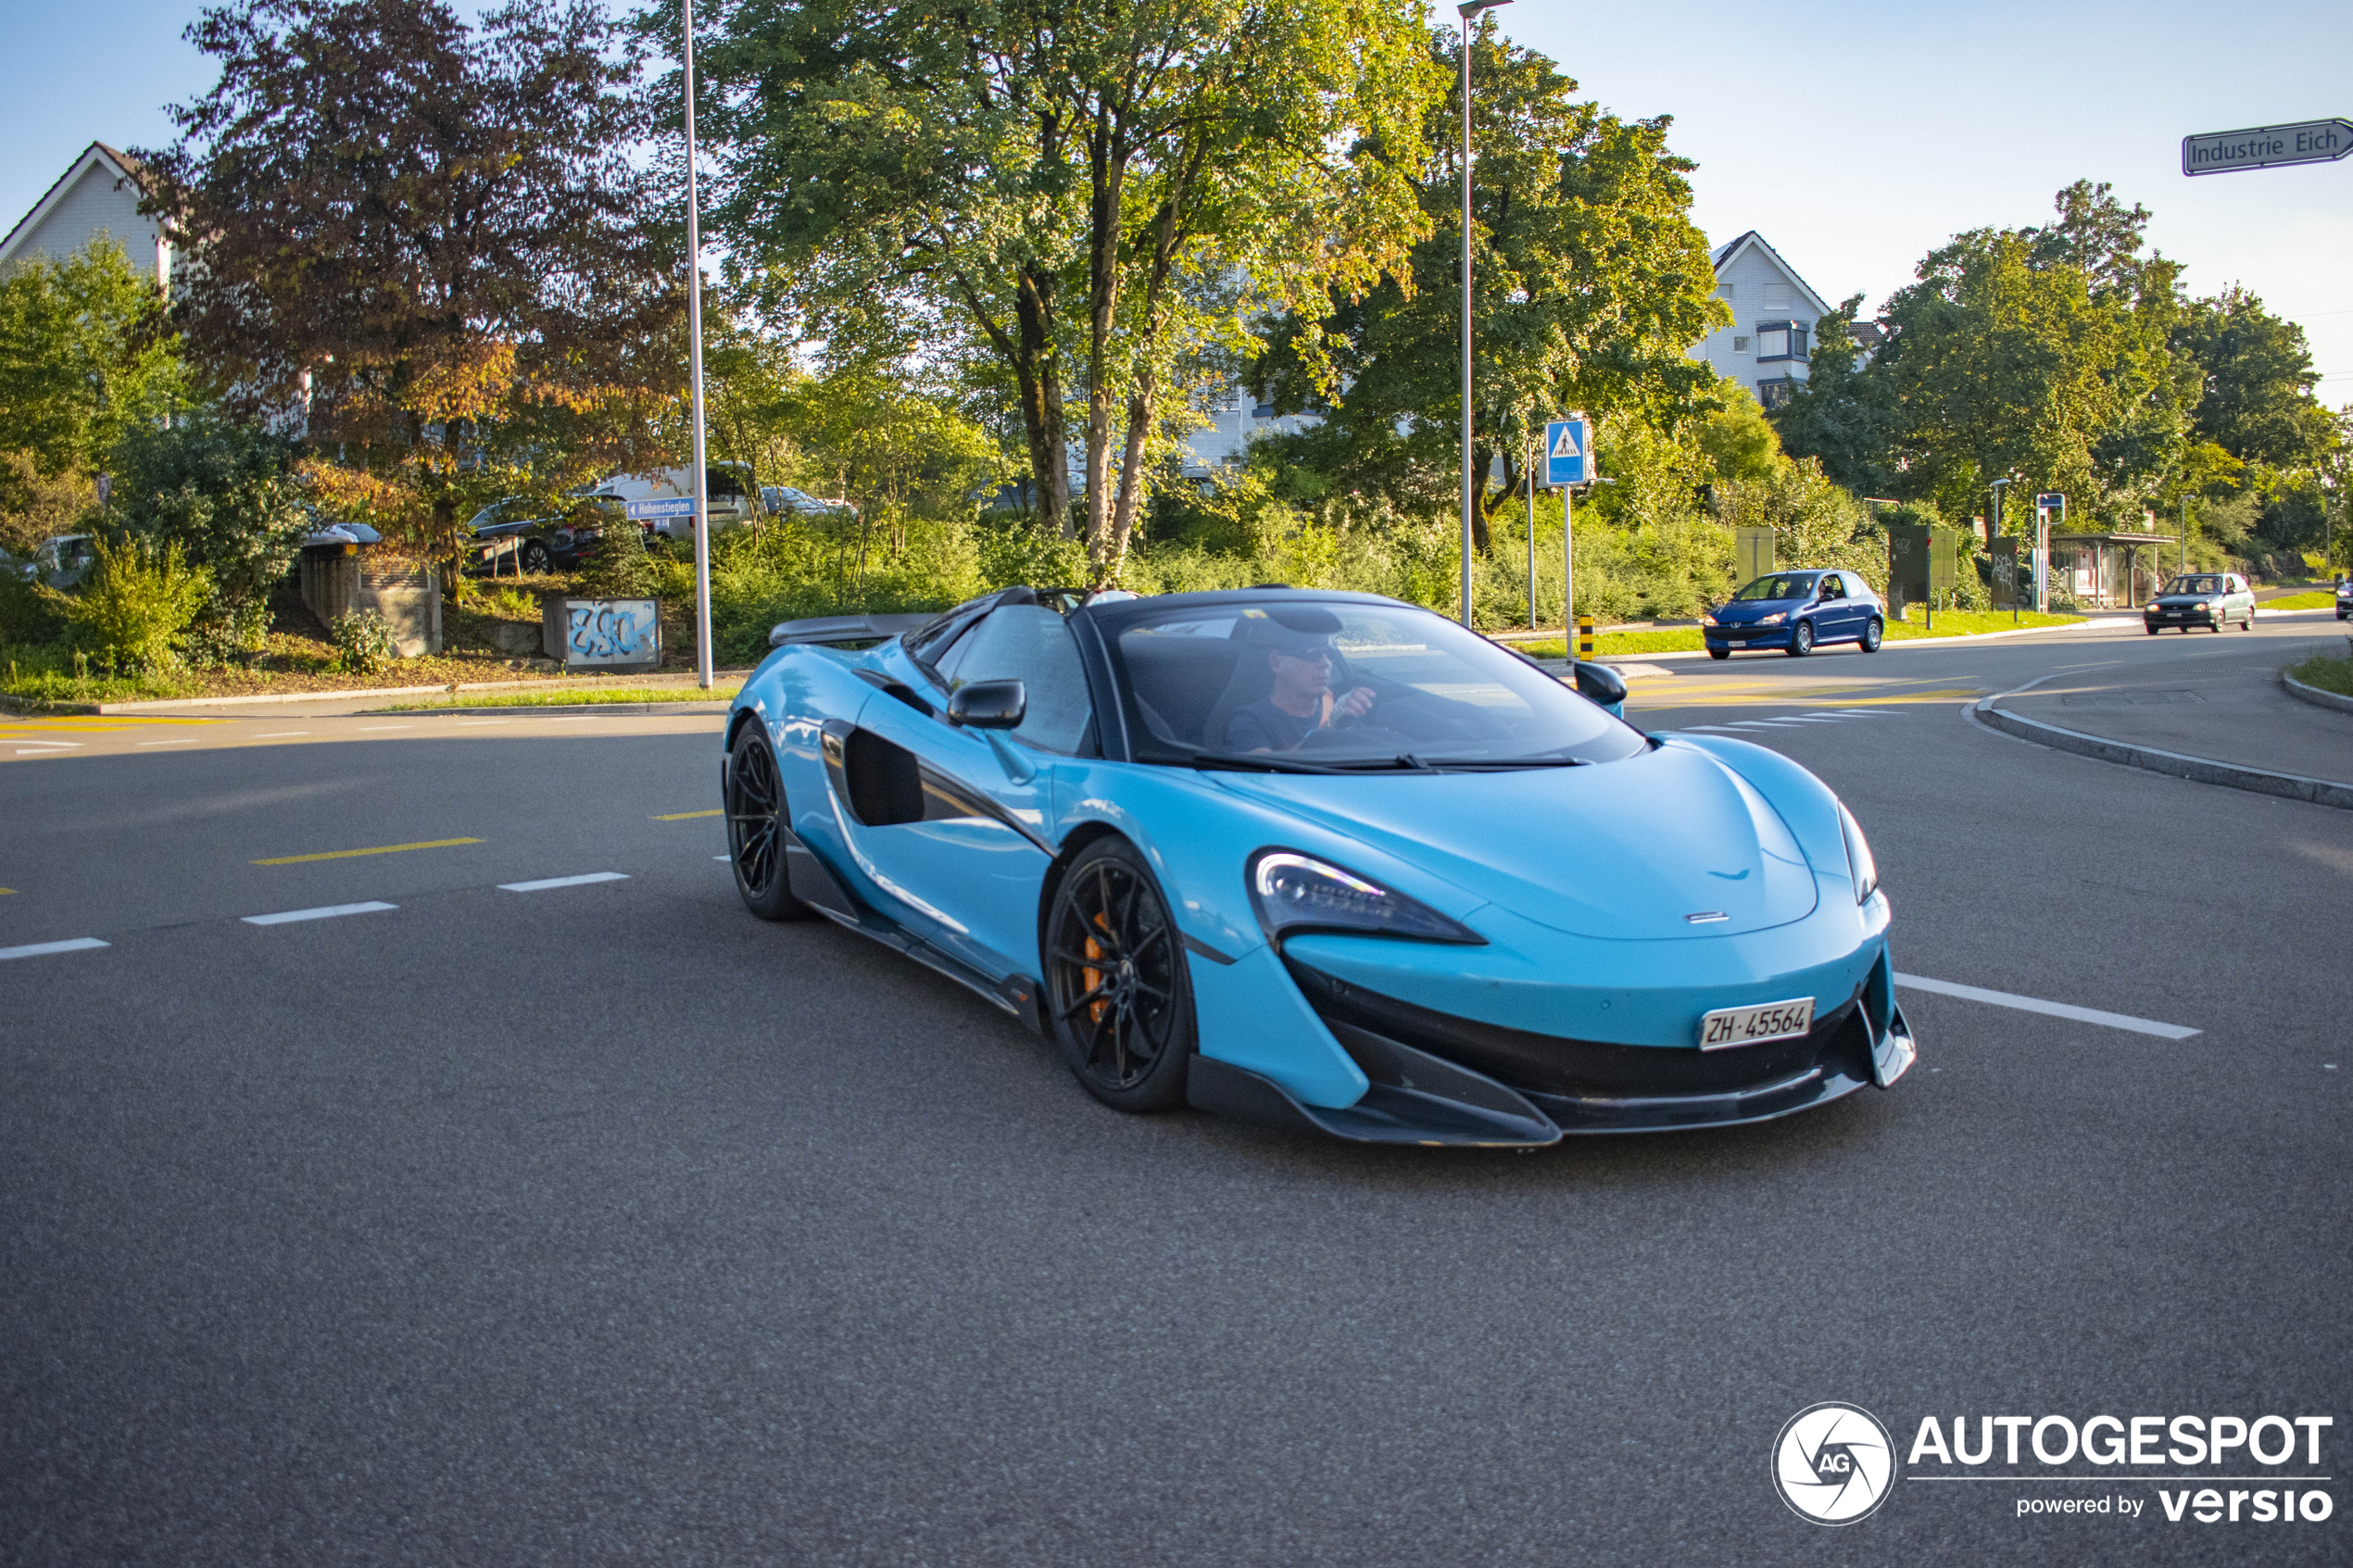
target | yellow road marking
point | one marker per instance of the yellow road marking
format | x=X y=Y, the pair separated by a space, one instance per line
x=5 y=891
x=380 y=849
x=74 y=723
x=683 y=816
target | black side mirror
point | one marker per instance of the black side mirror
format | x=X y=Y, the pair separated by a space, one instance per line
x=1599 y=682
x=988 y=705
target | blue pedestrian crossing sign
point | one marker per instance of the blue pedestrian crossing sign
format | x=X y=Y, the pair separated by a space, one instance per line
x=1569 y=446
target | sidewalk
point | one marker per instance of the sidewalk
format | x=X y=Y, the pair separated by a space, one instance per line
x=2225 y=707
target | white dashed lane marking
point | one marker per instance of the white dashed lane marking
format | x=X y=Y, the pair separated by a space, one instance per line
x=327 y=911
x=42 y=950
x=546 y=883
x=2055 y=1009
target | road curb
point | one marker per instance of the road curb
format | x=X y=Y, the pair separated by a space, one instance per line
x=2316 y=697
x=2204 y=769
x=168 y=704
x=569 y=707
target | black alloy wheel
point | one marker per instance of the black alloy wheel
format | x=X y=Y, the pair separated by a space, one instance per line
x=537 y=560
x=1874 y=634
x=1719 y=653
x=1121 y=1005
x=754 y=793
x=1801 y=639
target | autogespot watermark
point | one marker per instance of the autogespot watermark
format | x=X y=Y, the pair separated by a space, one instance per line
x=1834 y=1463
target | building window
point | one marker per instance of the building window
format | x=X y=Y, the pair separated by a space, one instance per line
x=1728 y=291
x=1781 y=340
x=1777 y=297
x=1774 y=392
x=1263 y=412
x=1740 y=345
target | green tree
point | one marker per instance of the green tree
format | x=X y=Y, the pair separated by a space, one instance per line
x=1095 y=197
x=83 y=357
x=225 y=495
x=2256 y=402
x=2039 y=354
x=137 y=599
x=1840 y=413
x=1591 y=285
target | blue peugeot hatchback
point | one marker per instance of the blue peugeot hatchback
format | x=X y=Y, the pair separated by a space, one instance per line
x=1797 y=612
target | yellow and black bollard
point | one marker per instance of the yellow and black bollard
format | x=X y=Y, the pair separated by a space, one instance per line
x=1584 y=636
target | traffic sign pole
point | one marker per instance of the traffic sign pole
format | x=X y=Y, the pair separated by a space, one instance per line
x=1568 y=462
x=694 y=332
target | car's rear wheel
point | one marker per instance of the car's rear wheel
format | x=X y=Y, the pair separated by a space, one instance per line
x=1719 y=653
x=1120 y=1002
x=1874 y=634
x=754 y=794
x=1801 y=639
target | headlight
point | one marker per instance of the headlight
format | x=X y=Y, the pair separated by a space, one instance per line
x=1294 y=893
x=1773 y=620
x=1859 y=855
x=1707 y=620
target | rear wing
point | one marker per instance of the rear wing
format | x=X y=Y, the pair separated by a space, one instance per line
x=845 y=630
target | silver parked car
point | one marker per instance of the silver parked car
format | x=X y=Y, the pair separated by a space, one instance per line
x=2213 y=599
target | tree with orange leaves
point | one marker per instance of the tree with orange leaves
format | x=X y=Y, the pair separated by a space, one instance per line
x=428 y=246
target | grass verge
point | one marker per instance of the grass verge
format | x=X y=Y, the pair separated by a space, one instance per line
x=2301 y=601
x=1949 y=623
x=2325 y=671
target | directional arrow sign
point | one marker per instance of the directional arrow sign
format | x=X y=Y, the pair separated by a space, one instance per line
x=1568 y=448
x=2267 y=146
x=668 y=506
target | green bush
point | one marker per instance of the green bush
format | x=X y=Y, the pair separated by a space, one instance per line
x=137 y=599
x=364 y=644
x=23 y=617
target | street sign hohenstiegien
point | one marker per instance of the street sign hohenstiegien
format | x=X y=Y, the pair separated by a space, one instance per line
x=2267 y=146
x=1568 y=445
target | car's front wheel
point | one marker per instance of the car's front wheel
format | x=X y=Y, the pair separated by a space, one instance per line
x=1719 y=653
x=1120 y=1002
x=1874 y=634
x=537 y=558
x=754 y=793
x=1801 y=639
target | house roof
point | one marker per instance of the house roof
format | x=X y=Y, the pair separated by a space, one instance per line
x=1727 y=253
x=108 y=160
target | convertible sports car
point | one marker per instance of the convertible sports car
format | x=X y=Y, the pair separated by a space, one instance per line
x=1320 y=859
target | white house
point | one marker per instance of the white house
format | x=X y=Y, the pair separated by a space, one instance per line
x=98 y=194
x=1765 y=349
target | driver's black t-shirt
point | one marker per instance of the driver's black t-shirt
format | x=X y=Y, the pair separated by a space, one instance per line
x=1261 y=726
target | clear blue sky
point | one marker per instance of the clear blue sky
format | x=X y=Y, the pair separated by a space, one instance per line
x=1853 y=136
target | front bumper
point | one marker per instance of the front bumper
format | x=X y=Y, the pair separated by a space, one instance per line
x=2196 y=616
x=1441 y=1080
x=1746 y=637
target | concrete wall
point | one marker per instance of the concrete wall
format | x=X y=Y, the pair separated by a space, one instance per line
x=334 y=584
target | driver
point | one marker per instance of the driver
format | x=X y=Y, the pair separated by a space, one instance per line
x=1300 y=703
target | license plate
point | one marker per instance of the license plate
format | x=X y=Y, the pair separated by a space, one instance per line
x=1727 y=1027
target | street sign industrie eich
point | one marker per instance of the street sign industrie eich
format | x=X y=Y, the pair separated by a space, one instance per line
x=2267 y=146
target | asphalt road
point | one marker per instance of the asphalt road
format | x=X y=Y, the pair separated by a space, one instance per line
x=604 y=1224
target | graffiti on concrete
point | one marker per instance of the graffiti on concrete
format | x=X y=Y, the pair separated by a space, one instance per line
x=611 y=632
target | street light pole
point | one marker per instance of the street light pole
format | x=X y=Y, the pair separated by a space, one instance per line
x=694 y=334
x=1466 y=10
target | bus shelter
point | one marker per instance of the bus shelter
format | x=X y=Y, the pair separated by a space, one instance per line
x=2110 y=570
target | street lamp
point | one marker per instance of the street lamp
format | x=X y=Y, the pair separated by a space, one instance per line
x=694 y=334
x=1466 y=10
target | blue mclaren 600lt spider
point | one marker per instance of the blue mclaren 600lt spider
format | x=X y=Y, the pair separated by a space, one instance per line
x=1321 y=860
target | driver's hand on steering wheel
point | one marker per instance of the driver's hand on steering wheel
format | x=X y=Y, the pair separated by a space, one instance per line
x=1355 y=705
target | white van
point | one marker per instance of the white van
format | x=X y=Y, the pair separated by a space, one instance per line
x=733 y=497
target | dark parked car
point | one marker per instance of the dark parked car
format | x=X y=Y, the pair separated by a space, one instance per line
x=2345 y=598
x=511 y=529
x=783 y=500
x=2213 y=599
x=1797 y=612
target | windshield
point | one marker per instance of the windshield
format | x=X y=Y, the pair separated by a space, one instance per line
x=2194 y=586
x=1786 y=586
x=1322 y=685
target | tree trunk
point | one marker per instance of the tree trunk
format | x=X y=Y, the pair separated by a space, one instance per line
x=1107 y=171
x=1042 y=398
